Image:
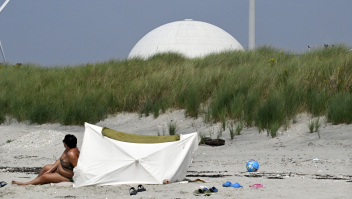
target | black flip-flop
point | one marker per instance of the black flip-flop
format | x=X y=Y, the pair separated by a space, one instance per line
x=141 y=188
x=133 y=191
x=2 y=184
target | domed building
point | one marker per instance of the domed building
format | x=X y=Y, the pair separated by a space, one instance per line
x=188 y=37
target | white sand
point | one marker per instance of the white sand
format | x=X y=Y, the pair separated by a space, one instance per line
x=292 y=152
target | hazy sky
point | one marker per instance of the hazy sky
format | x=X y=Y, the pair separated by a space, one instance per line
x=79 y=31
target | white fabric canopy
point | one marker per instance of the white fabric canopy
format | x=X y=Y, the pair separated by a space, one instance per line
x=104 y=161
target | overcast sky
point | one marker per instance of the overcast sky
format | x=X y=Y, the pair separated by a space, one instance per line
x=52 y=33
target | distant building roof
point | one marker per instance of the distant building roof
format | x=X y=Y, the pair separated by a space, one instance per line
x=188 y=37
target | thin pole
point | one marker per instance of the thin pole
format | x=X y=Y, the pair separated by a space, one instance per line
x=3 y=5
x=1 y=8
x=2 y=51
x=251 y=25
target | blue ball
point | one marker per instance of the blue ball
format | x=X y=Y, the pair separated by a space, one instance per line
x=252 y=166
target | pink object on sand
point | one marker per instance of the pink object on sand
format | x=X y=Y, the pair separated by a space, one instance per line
x=257 y=186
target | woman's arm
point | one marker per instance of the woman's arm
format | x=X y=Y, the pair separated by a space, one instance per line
x=73 y=158
x=54 y=167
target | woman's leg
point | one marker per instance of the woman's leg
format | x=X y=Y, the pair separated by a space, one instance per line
x=47 y=178
x=44 y=169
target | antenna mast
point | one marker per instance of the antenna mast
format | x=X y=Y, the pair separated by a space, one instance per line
x=251 y=25
x=1 y=8
x=2 y=51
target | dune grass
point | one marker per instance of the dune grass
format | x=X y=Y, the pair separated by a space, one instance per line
x=311 y=126
x=265 y=88
x=172 y=126
x=340 y=108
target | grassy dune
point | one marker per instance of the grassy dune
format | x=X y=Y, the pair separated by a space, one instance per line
x=266 y=88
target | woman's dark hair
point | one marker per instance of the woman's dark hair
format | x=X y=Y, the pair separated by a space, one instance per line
x=70 y=140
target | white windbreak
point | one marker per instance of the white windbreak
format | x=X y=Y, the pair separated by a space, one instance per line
x=104 y=161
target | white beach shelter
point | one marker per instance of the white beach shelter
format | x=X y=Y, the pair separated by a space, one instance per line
x=105 y=161
x=188 y=37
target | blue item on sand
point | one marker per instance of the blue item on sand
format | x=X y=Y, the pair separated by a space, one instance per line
x=236 y=185
x=205 y=189
x=215 y=189
x=252 y=166
x=227 y=184
x=2 y=184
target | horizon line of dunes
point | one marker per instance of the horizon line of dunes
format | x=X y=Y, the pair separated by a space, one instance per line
x=266 y=88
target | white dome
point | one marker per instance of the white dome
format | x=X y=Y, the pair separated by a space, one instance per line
x=188 y=37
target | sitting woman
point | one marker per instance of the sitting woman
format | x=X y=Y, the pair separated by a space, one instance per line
x=62 y=169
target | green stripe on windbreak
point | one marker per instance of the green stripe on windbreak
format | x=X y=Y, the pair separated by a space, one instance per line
x=133 y=138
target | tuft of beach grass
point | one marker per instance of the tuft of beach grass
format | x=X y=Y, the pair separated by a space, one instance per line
x=172 y=126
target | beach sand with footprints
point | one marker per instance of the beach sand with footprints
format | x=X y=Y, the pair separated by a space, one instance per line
x=295 y=164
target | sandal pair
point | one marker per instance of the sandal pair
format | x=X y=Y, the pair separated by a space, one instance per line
x=257 y=186
x=205 y=191
x=229 y=184
x=133 y=191
x=201 y=192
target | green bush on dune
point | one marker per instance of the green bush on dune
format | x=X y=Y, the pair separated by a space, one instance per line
x=265 y=88
x=340 y=108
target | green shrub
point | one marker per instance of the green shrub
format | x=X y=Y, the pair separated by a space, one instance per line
x=156 y=110
x=207 y=118
x=172 y=126
x=316 y=125
x=293 y=99
x=146 y=108
x=221 y=103
x=236 y=107
x=192 y=101
x=223 y=119
x=249 y=108
x=2 y=117
x=311 y=126
x=202 y=138
x=239 y=127
x=41 y=113
x=232 y=130
x=273 y=128
x=316 y=102
x=235 y=131
x=270 y=115
x=340 y=109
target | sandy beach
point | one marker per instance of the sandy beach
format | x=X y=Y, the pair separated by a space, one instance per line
x=295 y=164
